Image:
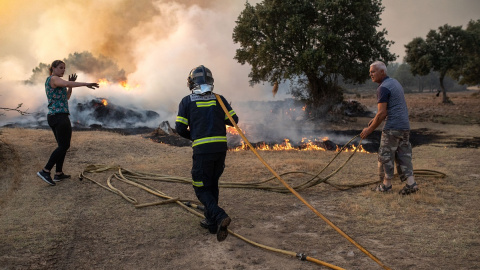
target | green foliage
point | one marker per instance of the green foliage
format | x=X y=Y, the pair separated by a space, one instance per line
x=404 y=76
x=311 y=43
x=418 y=56
x=444 y=51
x=469 y=73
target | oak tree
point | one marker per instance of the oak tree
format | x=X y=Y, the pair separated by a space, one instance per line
x=312 y=42
x=443 y=51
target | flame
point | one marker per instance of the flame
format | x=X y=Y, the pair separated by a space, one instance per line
x=352 y=148
x=309 y=145
x=124 y=84
x=127 y=86
x=305 y=145
x=233 y=130
x=103 y=82
x=104 y=102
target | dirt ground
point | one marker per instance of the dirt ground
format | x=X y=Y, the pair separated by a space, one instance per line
x=80 y=225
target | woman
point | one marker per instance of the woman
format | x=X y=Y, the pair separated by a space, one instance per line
x=58 y=93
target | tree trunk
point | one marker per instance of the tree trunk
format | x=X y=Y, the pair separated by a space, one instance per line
x=323 y=95
x=445 y=99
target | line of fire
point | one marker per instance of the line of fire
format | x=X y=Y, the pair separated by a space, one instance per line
x=276 y=126
x=315 y=144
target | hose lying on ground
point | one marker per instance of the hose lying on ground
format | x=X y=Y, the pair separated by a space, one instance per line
x=133 y=178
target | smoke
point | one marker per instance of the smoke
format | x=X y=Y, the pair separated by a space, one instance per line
x=85 y=62
x=150 y=45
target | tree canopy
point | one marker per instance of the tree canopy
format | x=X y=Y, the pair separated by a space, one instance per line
x=469 y=73
x=311 y=41
x=450 y=50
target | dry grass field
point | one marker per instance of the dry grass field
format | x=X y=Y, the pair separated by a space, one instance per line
x=80 y=225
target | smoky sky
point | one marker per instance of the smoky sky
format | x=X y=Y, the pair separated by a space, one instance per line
x=156 y=44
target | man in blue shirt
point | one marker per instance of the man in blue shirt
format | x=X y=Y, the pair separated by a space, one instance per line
x=395 y=146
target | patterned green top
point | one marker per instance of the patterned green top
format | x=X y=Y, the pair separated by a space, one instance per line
x=57 y=98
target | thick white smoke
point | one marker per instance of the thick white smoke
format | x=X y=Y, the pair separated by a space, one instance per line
x=156 y=43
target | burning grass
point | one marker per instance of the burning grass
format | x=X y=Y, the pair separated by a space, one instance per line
x=315 y=144
x=304 y=145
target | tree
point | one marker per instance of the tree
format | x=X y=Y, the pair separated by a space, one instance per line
x=469 y=72
x=442 y=51
x=311 y=42
x=403 y=75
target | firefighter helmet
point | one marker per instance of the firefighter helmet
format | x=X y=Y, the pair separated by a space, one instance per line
x=200 y=80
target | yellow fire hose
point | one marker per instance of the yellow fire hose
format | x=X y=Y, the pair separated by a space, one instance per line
x=296 y=193
x=132 y=178
x=129 y=177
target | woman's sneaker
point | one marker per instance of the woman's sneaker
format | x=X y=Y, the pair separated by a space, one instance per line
x=60 y=177
x=45 y=176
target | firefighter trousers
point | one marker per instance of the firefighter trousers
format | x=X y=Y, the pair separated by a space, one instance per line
x=206 y=172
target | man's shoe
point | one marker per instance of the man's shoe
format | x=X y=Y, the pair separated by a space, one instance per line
x=208 y=225
x=222 y=231
x=409 y=189
x=60 y=177
x=45 y=176
x=382 y=188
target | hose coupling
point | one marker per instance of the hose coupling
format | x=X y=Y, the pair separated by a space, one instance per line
x=302 y=256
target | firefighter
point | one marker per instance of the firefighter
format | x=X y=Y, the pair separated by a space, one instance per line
x=201 y=119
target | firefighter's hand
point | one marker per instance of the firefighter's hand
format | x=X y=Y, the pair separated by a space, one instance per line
x=72 y=77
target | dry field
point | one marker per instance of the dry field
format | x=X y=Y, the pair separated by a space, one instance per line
x=80 y=225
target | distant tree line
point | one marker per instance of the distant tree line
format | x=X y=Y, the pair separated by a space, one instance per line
x=411 y=83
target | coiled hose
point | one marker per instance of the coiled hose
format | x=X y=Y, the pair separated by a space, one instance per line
x=133 y=178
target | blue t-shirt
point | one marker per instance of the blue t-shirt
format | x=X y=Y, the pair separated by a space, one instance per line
x=390 y=91
x=57 y=98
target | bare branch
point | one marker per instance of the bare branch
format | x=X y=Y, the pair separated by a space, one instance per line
x=17 y=109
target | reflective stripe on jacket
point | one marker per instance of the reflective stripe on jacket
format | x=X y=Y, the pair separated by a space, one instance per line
x=209 y=140
x=201 y=119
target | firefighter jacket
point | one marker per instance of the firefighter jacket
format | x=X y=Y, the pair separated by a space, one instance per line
x=202 y=120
